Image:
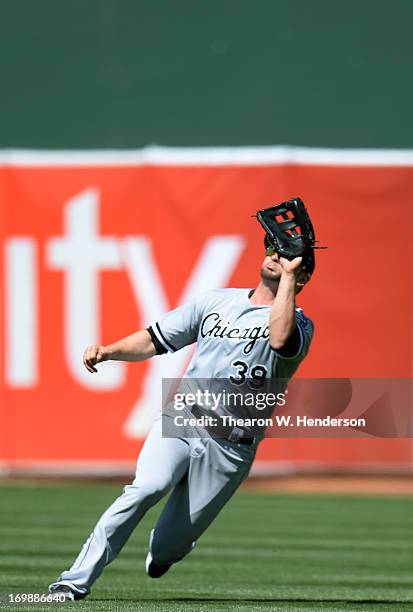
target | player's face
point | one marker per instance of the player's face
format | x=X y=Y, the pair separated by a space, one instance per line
x=271 y=269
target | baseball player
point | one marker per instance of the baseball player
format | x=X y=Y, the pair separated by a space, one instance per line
x=241 y=335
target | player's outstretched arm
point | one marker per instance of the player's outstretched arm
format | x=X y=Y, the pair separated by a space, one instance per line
x=136 y=347
x=282 y=314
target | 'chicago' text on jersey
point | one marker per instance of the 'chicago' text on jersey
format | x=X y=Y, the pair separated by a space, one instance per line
x=213 y=326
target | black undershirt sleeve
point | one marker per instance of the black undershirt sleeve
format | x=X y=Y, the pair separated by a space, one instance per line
x=292 y=346
x=160 y=350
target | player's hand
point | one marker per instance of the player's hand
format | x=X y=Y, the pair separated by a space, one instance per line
x=94 y=354
x=291 y=267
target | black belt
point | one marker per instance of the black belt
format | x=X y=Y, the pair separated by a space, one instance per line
x=213 y=431
x=246 y=440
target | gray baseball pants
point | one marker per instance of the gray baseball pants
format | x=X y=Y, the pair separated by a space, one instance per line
x=204 y=473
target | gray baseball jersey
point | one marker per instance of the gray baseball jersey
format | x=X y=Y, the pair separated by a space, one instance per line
x=228 y=329
x=232 y=337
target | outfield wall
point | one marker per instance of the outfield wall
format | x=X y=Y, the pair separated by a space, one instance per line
x=108 y=74
x=96 y=244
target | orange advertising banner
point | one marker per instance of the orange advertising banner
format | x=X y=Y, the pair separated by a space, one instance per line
x=94 y=246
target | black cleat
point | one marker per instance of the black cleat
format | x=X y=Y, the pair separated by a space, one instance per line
x=69 y=594
x=153 y=569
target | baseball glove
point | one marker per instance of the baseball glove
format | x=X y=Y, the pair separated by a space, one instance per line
x=289 y=231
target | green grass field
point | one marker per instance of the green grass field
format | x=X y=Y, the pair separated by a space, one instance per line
x=264 y=552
